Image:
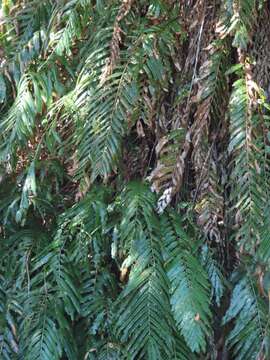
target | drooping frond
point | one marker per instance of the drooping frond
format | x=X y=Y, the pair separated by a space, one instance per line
x=23 y=119
x=189 y=286
x=25 y=36
x=89 y=245
x=144 y=316
x=118 y=93
x=52 y=298
x=239 y=19
x=9 y=307
x=112 y=103
x=208 y=135
x=249 y=336
x=75 y=15
x=215 y=275
x=246 y=146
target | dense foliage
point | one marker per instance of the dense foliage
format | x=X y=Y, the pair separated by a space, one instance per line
x=135 y=179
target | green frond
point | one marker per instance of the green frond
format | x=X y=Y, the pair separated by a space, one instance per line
x=215 y=275
x=239 y=19
x=109 y=92
x=75 y=15
x=45 y=342
x=19 y=122
x=106 y=115
x=50 y=298
x=18 y=125
x=181 y=350
x=189 y=286
x=144 y=319
x=137 y=207
x=247 y=147
x=250 y=334
x=108 y=97
x=60 y=275
x=9 y=310
x=26 y=35
x=84 y=230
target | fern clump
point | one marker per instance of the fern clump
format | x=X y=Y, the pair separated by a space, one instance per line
x=134 y=179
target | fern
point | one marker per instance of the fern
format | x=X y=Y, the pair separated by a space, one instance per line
x=20 y=121
x=251 y=329
x=50 y=299
x=75 y=15
x=144 y=319
x=9 y=309
x=109 y=92
x=239 y=20
x=215 y=275
x=247 y=147
x=89 y=248
x=113 y=97
x=19 y=124
x=28 y=29
x=190 y=290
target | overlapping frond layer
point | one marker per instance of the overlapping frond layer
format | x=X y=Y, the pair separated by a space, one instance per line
x=114 y=86
x=134 y=179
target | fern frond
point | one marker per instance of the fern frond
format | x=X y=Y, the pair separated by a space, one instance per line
x=144 y=315
x=75 y=15
x=19 y=123
x=181 y=349
x=60 y=274
x=51 y=299
x=87 y=240
x=88 y=91
x=10 y=310
x=107 y=102
x=238 y=20
x=28 y=26
x=215 y=275
x=45 y=342
x=190 y=290
x=246 y=144
x=248 y=338
x=107 y=115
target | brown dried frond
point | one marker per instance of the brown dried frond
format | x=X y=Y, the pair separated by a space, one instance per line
x=167 y=150
x=176 y=177
x=200 y=23
x=207 y=157
x=116 y=40
x=209 y=200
